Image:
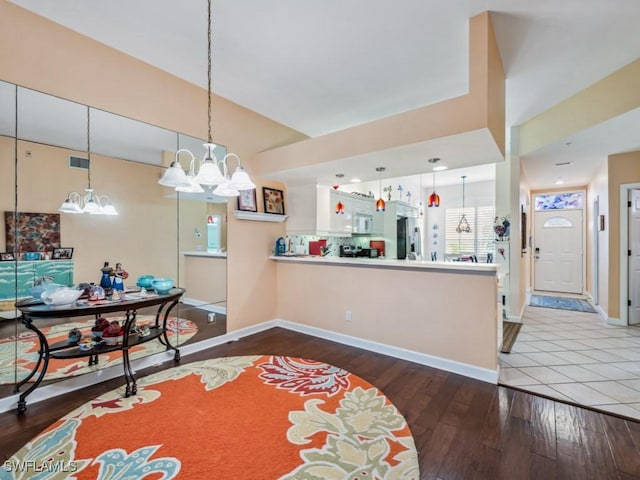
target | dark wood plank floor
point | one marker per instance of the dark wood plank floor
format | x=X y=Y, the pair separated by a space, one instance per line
x=463 y=428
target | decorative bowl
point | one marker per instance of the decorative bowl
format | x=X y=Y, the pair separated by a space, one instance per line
x=112 y=340
x=145 y=281
x=162 y=285
x=32 y=256
x=86 y=345
x=61 y=296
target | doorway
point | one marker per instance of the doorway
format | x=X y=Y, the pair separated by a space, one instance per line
x=558 y=251
x=634 y=257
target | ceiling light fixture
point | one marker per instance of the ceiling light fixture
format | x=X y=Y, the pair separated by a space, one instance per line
x=89 y=203
x=339 y=205
x=380 y=205
x=211 y=171
x=463 y=224
x=434 y=198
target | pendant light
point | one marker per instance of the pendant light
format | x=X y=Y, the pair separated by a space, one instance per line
x=463 y=224
x=90 y=202
x=211 y=171
x=434 y=198
x=339 y=206
x=380 y=205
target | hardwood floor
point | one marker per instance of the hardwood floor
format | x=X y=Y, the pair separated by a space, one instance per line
x=463 y=428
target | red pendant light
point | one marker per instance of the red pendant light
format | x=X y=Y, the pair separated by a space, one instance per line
x=434 y=198
x=380 y=205
x=339 y=205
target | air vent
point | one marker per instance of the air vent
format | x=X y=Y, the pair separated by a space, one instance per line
x=78 y=162
x=562 y=164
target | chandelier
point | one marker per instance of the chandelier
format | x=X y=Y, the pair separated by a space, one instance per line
x=463 y=224
x=89 y=202
x=211 y=172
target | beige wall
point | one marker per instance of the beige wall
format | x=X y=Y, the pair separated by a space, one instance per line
x=42 y=55
x=598 y=188
x=206 y=279
x=448 y=315
x=142 y=237
x=623 y=168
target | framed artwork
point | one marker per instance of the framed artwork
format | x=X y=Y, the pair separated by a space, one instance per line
x=36 y=232
x=247 y=200
x=7 y=257
x=62 y=253
x=273 y=200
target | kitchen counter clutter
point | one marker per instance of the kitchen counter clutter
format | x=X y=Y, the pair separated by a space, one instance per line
x=471 y=267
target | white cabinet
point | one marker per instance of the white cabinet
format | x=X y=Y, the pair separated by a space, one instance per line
x=340 y=223
x=312 y=211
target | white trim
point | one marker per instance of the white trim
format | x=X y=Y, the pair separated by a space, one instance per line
x=76 y=383
x=209 y=307
x=484 y=374
x=624 y=246
x=612 y=320
x=259 y=216
x=596 y=251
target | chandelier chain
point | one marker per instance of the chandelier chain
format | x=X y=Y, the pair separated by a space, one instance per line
x=89 y=146
x=209 y=137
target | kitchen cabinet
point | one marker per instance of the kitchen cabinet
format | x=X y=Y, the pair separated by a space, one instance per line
x=312 y=211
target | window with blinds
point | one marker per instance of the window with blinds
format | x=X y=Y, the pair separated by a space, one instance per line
x=480 y=241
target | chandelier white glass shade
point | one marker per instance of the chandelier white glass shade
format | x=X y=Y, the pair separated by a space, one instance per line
x=89 y=202
x=211 y=172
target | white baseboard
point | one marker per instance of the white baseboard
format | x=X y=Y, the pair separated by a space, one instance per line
x=204 y=305
x=484 y=374
x=76 y=383
x=611 y=320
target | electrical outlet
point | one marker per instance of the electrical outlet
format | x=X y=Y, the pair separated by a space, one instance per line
x=211 y=318
x=347 y=315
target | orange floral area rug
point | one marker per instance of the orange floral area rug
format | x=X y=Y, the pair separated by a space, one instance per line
x=17 y=358
x=253 y=417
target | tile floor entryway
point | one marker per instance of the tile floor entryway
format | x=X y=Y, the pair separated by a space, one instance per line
x=576 y=357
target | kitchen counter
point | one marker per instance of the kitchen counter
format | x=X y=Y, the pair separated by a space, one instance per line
x=205 y=254
x=467 y=267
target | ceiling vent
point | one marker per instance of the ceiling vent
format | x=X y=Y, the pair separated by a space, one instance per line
x=78 y=162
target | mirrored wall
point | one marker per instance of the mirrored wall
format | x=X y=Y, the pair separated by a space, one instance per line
x=44 y=147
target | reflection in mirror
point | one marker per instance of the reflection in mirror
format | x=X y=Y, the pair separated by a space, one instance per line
x=8 y=267
x=148 y=237
x=202 y=249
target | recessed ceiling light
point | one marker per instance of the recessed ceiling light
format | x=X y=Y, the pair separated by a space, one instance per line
x=559 y=181
x=439 y=168
x=355 y=180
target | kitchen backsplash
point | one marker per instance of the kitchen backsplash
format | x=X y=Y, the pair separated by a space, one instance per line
x=332 y=242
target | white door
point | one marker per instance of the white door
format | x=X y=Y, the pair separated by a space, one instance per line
x=557 y=251
x=634 y=257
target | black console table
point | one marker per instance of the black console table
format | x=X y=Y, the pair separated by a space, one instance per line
x=32 y=312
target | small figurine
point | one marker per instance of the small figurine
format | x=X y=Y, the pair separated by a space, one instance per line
x=105 y=280
x=119 y=275
x=75 y=335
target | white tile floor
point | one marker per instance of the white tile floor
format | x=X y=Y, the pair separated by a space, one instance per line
x=576 y=357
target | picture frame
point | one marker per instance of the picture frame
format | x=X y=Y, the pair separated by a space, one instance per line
x=273 y=200
x=62 y=253
x=7 y=257
x=247 y=200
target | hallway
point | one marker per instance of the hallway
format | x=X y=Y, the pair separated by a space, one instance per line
x=578 y=358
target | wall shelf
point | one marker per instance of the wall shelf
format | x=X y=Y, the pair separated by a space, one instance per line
x=259 y=217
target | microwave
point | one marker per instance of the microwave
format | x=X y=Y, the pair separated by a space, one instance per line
x=362 y=223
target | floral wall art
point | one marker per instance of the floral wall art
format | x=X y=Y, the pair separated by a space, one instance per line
x=36 y=232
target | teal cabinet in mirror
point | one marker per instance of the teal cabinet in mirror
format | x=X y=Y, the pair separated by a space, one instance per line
x=153 y=234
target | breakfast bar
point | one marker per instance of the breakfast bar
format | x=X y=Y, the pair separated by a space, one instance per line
x=444 y=314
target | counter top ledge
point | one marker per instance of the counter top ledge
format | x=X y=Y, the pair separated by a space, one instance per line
x=205 y=254
x=466 y=267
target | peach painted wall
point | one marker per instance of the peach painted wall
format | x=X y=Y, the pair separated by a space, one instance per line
x=139 y=237
x=42 y=55
x=445 y=314
x=623 y=168
x=598 y=188
x=206 y=279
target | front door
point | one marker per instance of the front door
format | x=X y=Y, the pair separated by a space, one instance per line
x=558 y=251
x=634 y=257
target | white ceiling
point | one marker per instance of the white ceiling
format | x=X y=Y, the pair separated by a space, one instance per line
x=324 y=66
